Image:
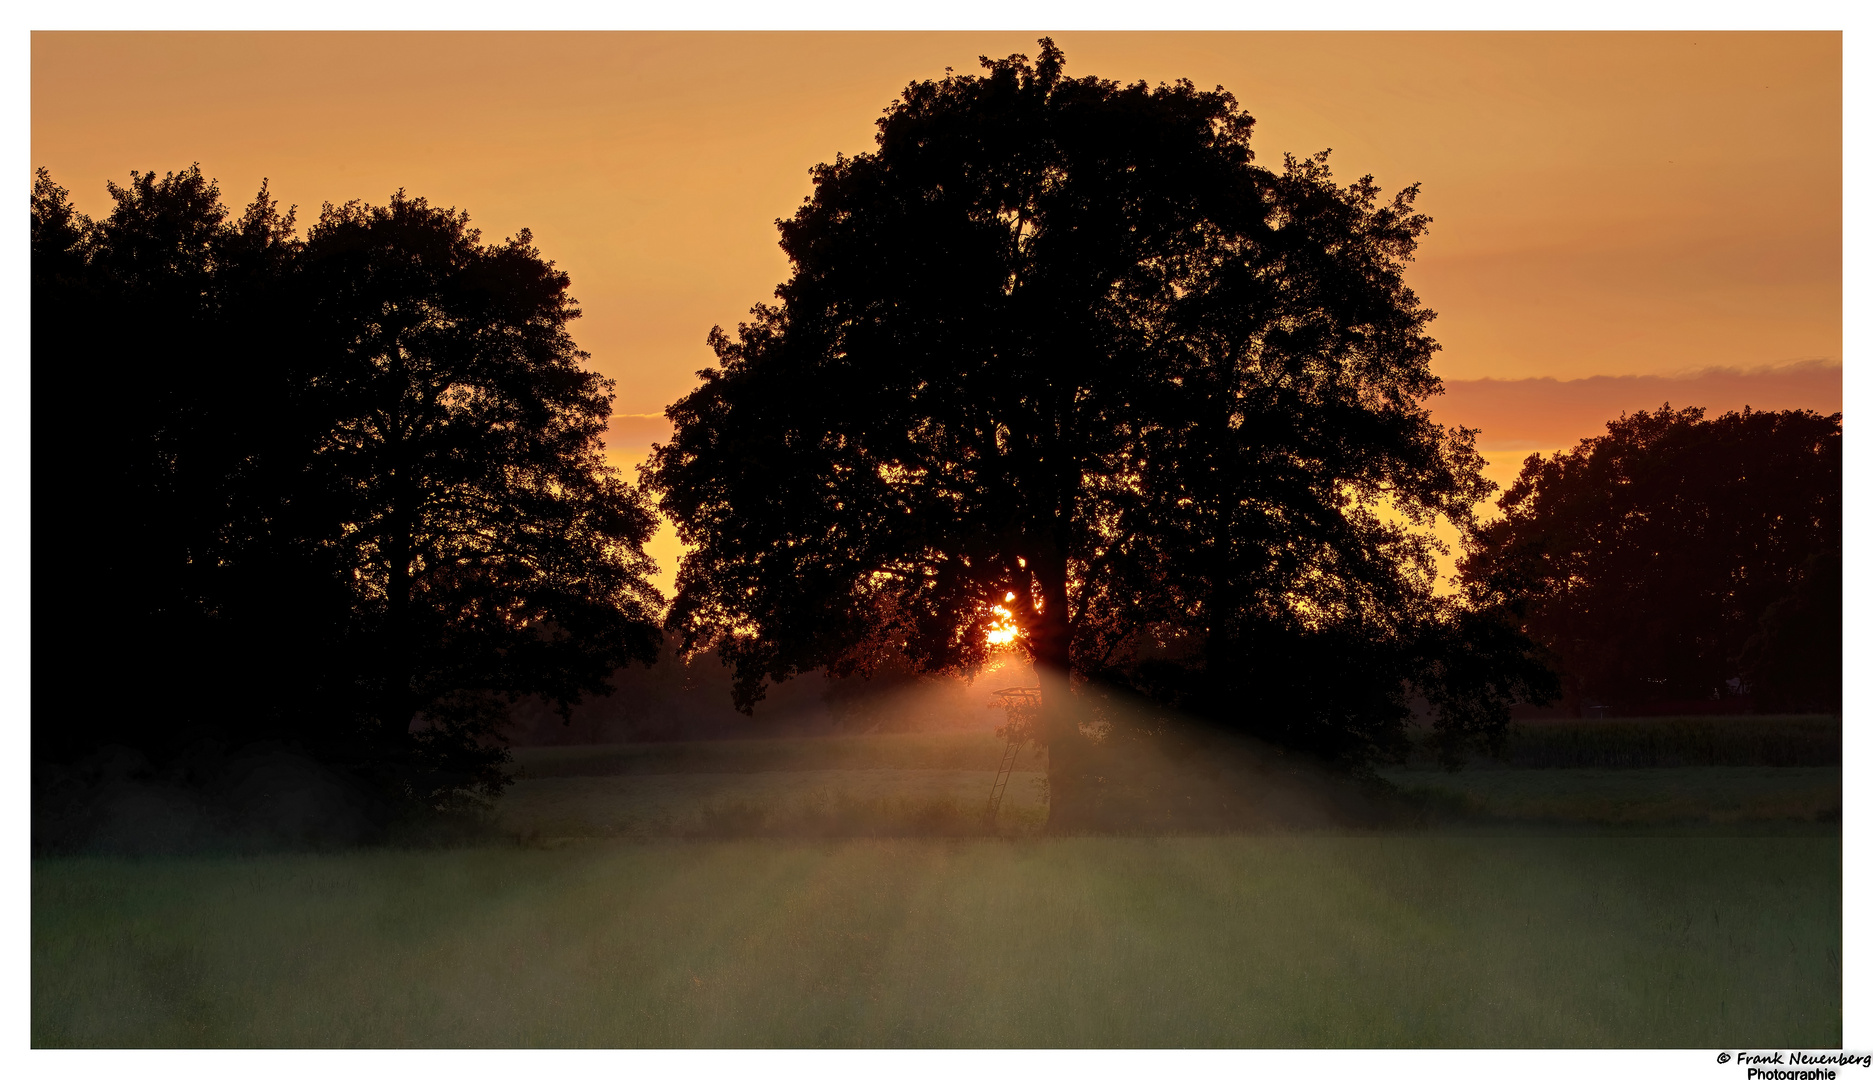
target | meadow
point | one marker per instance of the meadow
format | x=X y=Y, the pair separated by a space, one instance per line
x=845 y=892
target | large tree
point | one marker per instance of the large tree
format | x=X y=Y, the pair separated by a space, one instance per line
x=1060 y=348
x=343 y=491
x=1650 y=556
x=493 y=552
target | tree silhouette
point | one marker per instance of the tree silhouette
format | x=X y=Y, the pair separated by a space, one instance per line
x=1059 y=347
x=161 y=414
x=1793 y=662
x=1650 y=556
x=494 y=553
x=344 y=492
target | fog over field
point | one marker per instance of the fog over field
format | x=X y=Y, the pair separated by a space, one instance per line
x=845 y=891
x=1227 y=540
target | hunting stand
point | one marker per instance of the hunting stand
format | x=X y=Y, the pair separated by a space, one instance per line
x=1022 y=704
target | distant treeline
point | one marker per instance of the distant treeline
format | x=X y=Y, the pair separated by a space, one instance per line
x=1771 y=741
x=1678 y=564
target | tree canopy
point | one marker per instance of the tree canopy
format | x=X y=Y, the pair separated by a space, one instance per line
x=344 y=491
x=1653 y=554
x=1059 y=351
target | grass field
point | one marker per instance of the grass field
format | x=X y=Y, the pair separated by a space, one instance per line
x=916 y=785
x=1570 y=907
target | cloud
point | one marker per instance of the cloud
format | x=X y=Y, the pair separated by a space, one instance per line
x=1515 y=415
x=1539 y=414
x=629 y=435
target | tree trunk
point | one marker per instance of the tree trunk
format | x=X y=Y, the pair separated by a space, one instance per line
x=1051 y=640
x=1219 y=658
x=398 y=705
x=1218 y=652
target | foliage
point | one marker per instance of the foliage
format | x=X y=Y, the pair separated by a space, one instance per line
x=1794 y=660
x=343 y=491
x=1673 y=742
x=1784 y=801
x=1059 y=345
x=148 y=335
x=494 y=553
x=1649 y=555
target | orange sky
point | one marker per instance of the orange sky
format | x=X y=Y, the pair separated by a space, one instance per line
x=1605 y=204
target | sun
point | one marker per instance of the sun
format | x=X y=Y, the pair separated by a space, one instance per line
x=1004 y=629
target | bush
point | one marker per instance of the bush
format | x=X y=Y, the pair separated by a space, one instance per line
x=1674 y=741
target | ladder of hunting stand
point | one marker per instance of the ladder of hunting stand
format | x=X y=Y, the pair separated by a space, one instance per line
x=1013 y=697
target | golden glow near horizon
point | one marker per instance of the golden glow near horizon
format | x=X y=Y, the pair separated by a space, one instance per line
x=1619 y=207
x=1004 y=630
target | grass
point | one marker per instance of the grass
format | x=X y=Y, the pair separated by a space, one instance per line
x=867 y=802
x=877 y=785
x=1223 y=941
x=830 y=893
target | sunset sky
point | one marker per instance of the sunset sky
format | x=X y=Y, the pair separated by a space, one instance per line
x=1620 y=219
